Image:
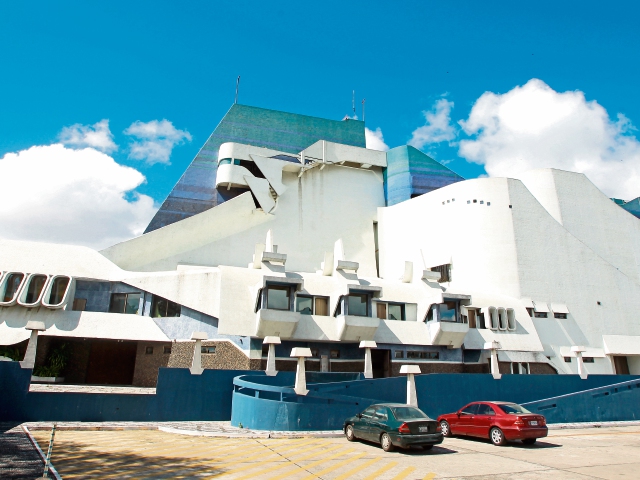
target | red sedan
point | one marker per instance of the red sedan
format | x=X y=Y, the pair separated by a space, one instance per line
x=498 y=421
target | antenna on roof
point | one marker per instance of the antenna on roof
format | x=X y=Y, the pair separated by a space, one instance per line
x=363 y=101
x=353 y=103
x=237 y=86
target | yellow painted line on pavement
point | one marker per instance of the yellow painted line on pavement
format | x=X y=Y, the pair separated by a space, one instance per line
x=377 y=473
x=288 y=463
x=429 y=476
x=333 y=467
x=357 y=469
x=404 y=473
x=312 y=464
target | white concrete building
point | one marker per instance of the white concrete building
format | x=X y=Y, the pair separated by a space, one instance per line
x=301 y=245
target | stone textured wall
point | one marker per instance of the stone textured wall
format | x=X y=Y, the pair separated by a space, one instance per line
x=147 y=364
x=542 y=369
x=226 y=357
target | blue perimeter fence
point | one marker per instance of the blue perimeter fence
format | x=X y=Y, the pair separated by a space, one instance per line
x=269 y=403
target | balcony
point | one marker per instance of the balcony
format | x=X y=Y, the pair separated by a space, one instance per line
x=450 y=334
x=354 y=328
x=277 y=323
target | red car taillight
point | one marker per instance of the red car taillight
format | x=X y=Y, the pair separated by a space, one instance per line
x=404 y=428
x=518 y=422
x=438 y=428
x=543 y=421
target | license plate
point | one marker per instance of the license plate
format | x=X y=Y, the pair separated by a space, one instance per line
x=533 y=422
x=423 y=429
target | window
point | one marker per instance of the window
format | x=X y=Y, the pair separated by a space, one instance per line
x=567 y=359
x=448 y=312
x=445 y=272
x=381 y=413
x=358 y=304
x=540 y=314
x=228 y=161
x=368 y=413
x=399 y=354
x=125 y=302
x=265 y=350
x=12 y=284
x=148 y=351
x=34 y=289
x=588 y=359
x=481 y=322
x=520 y=368
x=315 y=352
x=335 y=354
x=396 y=311
x=308 y=305
x=423 y=355
x=562 y=316
x=530 y=311
x=408 y=413
x=470 y=410
x=278 y=297
x=208 y=349
x=429 y=317
x=79 y=304
x=58 y=289
x=511 y=408
x=485 y=410
x=167 y=349
x=161 y=307
x=502 y=319
x=472 y=318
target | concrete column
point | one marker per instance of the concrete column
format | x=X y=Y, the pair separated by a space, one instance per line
x=196 y=362
x=410 y=371
x=324 y=363
x=368 y=367
x=29 y=359
x=301 y=378
x=578 y=351
x=495 y=366
x=271 y=356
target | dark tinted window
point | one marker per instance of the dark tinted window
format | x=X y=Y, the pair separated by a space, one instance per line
x=161 y=307
x=278 y=298
x=408 y=413
x=485 y=410
x=471 y=409
x=513 y=408
x=381 y=413
x=357 y=305
x=304 y=305
x=368 y=412
x=58 y=289
x=36 y=284
x=12 y=283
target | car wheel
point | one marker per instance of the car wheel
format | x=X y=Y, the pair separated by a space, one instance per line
x=497 y=436
x=349 y=433
x=446 y=429
x=529 y=441
x=385 y=441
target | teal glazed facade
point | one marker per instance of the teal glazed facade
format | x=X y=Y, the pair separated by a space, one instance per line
x=410 y=173
x=195 y=192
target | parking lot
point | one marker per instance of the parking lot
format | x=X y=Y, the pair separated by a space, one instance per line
x=565 y=454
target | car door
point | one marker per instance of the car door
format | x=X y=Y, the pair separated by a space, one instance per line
x=378 y=423
x=466 y=419
x=362 y=425
x=482 y=421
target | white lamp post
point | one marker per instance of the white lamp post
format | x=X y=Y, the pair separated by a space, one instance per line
x=301 y=379
x=271 y=356
x=410 y=371
x=368 y=366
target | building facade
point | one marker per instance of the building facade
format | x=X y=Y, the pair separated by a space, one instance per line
x=286 y=226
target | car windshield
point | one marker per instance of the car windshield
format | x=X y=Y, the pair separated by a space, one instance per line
x=512 y=408
x=409 y=413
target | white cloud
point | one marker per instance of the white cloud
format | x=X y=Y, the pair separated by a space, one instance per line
x=155 y=140
x=61 y=195
x=375 y=140
x=438 y=127
x=533 y=126
x=96 y=136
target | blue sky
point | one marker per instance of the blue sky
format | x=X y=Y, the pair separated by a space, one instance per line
x=67 y=63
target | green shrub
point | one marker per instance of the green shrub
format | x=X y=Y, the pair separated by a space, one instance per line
x=55 y=364
x=10 y=352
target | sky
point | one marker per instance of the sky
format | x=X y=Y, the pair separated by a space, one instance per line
x=103 y=105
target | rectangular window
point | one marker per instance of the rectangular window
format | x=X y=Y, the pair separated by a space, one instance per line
x=315 y=353
x=167 y=349
x=148 y=351
x=472 y=318
x=335 y=354
x=79 y=304
x=161 y=307
x=530 y=311
x=358 y=305
x=423 y=355
x=396 y=311
x=448 y=312
x=587 y=359
x=125 y=303
x=322 y=306
x=381 y=310
x=540 y=314
x=399 y=354
x=278 y=297
x=208 y=349
x=304 y=305
x=562 y=316
x=567 y=359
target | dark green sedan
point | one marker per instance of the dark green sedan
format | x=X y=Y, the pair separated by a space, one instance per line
x=394 y=425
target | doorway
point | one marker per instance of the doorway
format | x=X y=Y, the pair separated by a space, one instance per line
x=621 y=365
x=381 y=363
x=111 y=362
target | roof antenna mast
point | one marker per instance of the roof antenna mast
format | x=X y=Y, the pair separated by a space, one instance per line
x=363 y=102
x=353 y=103
x=237 y=87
